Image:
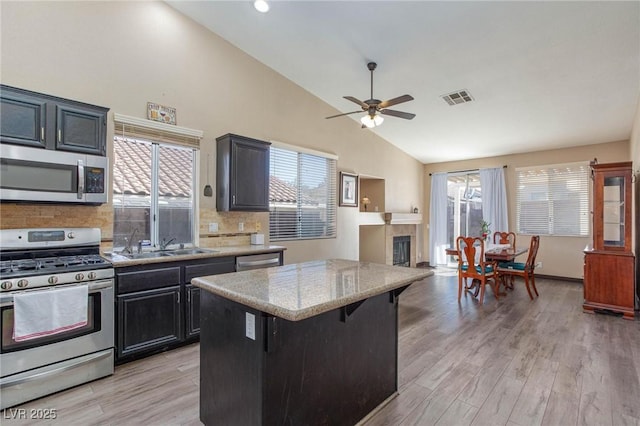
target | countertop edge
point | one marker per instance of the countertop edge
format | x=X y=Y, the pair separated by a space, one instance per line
x=308 y=312
x=119 y=261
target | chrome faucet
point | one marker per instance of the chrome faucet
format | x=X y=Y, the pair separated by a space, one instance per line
x=127 y=248
x=164 y=244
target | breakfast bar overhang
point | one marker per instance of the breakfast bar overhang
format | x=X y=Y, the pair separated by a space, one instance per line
x=307 y=343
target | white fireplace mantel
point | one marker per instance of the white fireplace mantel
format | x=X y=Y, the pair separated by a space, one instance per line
x=403 y=218
x=390 y=218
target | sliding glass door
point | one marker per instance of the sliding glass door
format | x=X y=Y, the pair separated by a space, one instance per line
x=464 y=206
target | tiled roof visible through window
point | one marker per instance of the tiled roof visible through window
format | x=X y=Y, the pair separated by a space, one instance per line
x=133 y=176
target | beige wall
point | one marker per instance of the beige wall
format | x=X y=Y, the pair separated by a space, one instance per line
x=634 y=149
x=561 y=256
x=125 y=54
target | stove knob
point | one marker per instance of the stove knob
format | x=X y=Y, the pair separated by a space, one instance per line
x=71 y=235
x=79 y=277
x=92 y=275
x=52 y=280
x=6 y=285
x=23 y=283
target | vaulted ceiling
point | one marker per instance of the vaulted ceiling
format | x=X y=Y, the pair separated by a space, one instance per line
x=542 y=75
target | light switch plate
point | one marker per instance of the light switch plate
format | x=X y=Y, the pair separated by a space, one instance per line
x=250 y=329
x=213 y=227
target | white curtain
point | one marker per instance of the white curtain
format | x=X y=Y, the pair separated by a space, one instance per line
x=494 y=199
x=438 y=220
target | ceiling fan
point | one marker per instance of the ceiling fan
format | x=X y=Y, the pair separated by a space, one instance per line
x=374 y=106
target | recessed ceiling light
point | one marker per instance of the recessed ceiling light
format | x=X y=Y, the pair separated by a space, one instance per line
x=261 y=6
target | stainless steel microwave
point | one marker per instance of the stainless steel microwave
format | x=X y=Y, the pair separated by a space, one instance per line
x=42 y=175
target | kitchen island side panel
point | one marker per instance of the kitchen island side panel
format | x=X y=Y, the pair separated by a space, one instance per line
x=231 y=364
x=333 y=368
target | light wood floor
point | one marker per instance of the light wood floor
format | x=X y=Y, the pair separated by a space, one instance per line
x=508 y=362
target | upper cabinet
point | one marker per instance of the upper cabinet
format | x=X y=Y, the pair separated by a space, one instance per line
x=612 y=207
x=43 y=121
x=242 y=174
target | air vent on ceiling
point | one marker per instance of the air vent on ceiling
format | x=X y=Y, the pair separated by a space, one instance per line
x=459 y=97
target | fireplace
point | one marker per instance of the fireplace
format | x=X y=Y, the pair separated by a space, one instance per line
x=402 y=250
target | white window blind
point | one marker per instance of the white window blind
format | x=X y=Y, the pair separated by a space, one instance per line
x=302 y=195
x=553 y=200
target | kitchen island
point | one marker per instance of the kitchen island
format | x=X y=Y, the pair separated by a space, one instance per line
x=307 y=343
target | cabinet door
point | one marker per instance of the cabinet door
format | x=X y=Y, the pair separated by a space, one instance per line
x=22 y=118
x=81 y=130
x=192 y=311
x=249 y=183
x=148 y=320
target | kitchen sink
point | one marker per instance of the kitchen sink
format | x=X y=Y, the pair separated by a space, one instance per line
x=147 y=255
x=178 y=252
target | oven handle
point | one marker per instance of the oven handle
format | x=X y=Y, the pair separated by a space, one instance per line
x=95 y=286
x=21 y=380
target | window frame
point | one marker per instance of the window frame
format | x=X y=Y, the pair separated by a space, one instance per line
x=331 y=210
x=154 y=206
x=555 y=177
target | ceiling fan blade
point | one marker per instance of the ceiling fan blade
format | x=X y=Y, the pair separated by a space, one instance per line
x=395 y=101
x=340 y=115
x=356 y=101
x=400 y=114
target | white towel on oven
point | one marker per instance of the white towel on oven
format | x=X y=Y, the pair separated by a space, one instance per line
x=41 y=313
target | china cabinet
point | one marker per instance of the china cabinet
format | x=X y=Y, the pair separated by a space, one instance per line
x=609 y=260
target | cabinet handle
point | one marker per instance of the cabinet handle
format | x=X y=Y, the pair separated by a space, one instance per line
x=178 y=297
x=42 y=134
x=233 y=198
x=59 y=135
x=188 y=296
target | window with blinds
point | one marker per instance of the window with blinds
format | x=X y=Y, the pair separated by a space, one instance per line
x=302 y=195
x=553 y=200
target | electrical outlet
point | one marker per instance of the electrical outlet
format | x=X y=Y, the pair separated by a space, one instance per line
x=539 y=265
x=258 y=226
x=213 y=227
x=241 y=226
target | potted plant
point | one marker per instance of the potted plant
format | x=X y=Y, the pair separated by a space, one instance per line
x=485 y=230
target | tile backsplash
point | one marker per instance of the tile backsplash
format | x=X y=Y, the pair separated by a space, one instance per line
x=19 y=215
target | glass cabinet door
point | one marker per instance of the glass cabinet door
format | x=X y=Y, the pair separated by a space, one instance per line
x=613 y=211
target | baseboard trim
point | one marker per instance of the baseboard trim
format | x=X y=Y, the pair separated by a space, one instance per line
x=556 y=277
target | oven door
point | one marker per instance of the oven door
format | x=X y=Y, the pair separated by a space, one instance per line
x=97 y=335
x=32 y=174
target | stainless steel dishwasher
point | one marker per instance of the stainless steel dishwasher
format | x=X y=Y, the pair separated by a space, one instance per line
x=257 y=261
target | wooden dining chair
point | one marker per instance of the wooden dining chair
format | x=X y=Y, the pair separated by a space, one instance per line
x=524 y=270
x=472 y=265
x=500 y=237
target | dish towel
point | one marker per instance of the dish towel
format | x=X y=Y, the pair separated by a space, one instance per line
x=43 y=313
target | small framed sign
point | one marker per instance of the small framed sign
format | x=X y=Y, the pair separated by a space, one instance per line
x=157 y=112
x=348 y=190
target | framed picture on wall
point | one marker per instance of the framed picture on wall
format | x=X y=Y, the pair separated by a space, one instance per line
x=348 y=190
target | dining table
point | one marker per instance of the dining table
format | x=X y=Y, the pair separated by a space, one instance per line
x=494 y=253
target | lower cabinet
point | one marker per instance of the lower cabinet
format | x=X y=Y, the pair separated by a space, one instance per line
x=193 y=311
x=149 y=319
x=157 y=308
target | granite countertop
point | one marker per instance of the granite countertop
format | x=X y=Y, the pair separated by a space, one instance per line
x=303 y=290
x=119 y=260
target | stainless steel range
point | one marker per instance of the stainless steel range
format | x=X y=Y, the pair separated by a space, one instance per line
x=50 y=261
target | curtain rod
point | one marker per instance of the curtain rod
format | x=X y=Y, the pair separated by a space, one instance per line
x=470 y=170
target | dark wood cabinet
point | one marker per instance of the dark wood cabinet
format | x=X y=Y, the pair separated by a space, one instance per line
x=242 y=174
x=192 y=324
x=44 y=121
x=156 y=306
x=609 y=263
x=148 y=320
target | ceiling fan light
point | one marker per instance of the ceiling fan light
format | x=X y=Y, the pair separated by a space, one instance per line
x=372 y=122
x=261 y=6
